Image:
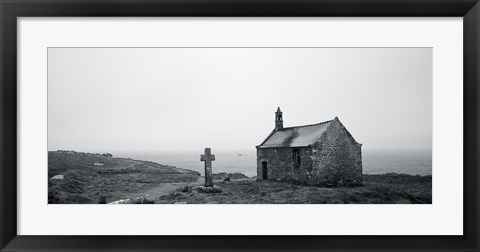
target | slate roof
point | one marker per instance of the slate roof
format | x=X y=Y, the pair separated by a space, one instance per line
x=299 y=136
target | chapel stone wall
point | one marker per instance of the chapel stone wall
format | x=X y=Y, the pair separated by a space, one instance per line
x=280 y=163
x=337 y=157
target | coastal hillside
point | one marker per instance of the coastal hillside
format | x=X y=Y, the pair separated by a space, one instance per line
x=82 y=178
x=86 y=178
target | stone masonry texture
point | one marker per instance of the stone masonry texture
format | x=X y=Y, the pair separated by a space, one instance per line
x=334 y=159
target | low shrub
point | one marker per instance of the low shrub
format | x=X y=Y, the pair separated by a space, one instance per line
x=223 y=175
x=185 y=189
x=214 y=189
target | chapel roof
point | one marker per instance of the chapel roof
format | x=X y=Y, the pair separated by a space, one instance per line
x=298 y=136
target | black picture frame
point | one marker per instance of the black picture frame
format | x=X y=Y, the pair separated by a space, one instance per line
x=11 y=9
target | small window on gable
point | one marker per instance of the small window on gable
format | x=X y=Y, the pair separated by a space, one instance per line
x=296 y=157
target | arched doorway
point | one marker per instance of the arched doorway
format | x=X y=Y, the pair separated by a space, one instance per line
x=264 y=170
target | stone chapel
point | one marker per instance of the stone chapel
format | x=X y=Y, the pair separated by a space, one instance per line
x=323 y=153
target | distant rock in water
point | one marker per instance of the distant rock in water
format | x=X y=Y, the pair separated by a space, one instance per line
x=224 y=175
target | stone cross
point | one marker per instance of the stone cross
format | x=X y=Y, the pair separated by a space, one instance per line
x=208 y=158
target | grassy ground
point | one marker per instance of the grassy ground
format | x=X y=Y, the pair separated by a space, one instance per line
x=121 y=178
x=118 y=177
x=377 y=189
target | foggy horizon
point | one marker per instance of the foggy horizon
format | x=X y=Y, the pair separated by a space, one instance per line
x=121 y=100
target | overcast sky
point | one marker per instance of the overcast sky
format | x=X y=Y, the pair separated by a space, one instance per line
x=174 y=99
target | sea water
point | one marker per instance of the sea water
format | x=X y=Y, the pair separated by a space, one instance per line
x=413 y=162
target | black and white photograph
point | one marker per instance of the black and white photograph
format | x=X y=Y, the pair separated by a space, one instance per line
x=246 y=125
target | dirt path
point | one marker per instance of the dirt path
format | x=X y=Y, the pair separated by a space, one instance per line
x=167 y=188
x=164 y=189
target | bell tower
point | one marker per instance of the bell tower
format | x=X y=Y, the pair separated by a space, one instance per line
x=278 y=119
